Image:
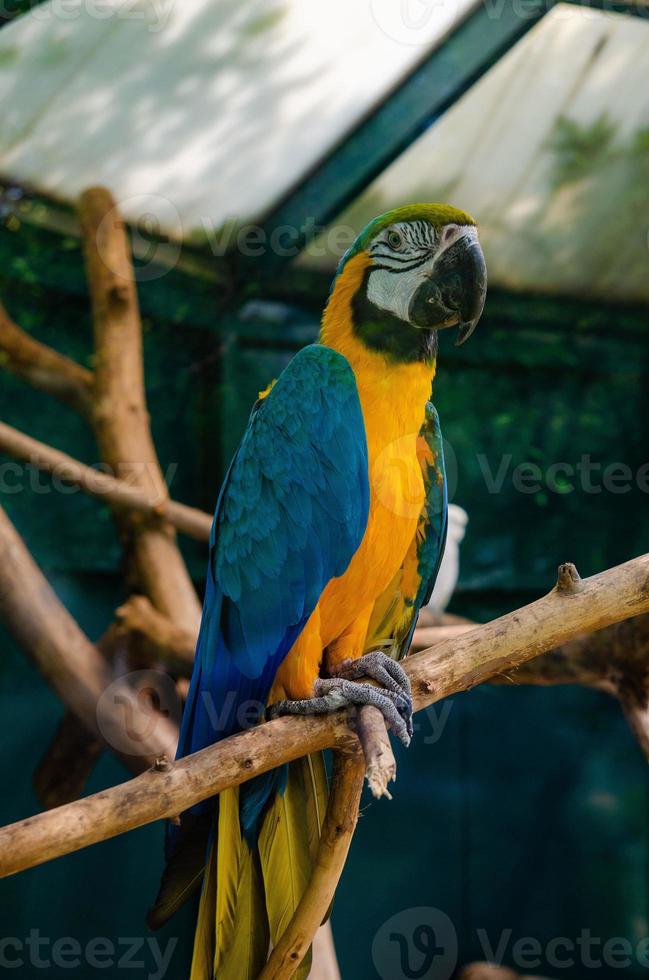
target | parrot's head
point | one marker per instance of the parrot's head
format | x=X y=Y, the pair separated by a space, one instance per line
x=411 y=272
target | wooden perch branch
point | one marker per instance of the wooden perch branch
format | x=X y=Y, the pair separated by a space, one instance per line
x=71 y=756
x=614 y=660
x=113 y=401
x=113 y=491
x=337 y=832
x=120 y=415
x=141 y=503
x=380 y=764
x=140 y=637
x=43 y=367
x=167 y=641
x=447 y=668
x=64 y=655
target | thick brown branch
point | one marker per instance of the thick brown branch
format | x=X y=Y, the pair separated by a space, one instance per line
x=158 y=636
x=117 y=493
x=113 y=400
x=614 y=660
x=448 y=668
x=70 y=663
x=73 y=751
x=120 y=416
x=426 y=636
x=65 y=767
x=380 y=764
x=43 y=367
x=338 y=829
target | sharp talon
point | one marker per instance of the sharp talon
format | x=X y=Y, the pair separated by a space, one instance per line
x=390 y=675
x=333 y=693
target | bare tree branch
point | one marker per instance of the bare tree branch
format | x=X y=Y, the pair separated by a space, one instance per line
x=43 y=367
x=614 y=660
x=120 y=416
x=117 y=493
x=380 y=764
x=73 y=752
x=447 y=668
x=337 y=832
x=158 y=635
x=70 y=758
x=427 y=635
x=114 y=402
x=70 y=663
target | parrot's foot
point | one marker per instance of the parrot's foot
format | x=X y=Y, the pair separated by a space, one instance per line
x=333 y=693
x=386 y=672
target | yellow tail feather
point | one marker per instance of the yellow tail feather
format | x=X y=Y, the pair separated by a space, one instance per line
x=229 y=854
x=204 y=939
x=249 y=897
x=288 y=844
x=248 y=950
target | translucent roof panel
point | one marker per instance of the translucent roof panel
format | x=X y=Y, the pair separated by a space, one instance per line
x=211 y=109
x=550 y=153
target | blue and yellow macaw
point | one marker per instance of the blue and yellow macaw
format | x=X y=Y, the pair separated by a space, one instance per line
x=326 y=541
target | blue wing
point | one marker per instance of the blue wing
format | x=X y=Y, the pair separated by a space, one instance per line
x=395 y=613
x=291 y=515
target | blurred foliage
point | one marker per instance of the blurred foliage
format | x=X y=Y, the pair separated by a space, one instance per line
x=580 y=149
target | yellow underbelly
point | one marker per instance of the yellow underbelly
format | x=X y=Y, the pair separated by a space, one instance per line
x=340 y=620
x=396 y=499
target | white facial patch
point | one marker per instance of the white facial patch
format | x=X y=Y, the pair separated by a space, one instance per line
x=404 y=256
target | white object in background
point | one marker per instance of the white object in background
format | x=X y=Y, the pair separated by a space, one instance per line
x=449 y=571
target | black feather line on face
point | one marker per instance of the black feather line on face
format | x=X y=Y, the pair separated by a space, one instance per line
x=418 y=246
x=420 y=234
x=385 y=333
x=406 y=266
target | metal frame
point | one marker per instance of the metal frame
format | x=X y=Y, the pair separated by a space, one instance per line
x=457 y=62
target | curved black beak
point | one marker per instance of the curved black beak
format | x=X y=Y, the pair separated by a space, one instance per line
x=455 y=293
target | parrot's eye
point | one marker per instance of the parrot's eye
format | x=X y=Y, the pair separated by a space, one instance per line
x=395 y=240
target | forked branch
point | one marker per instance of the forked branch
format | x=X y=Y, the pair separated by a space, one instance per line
x=72 y=665
x=447 y=668
x=105 y=486
x=120 y=416
x=43 y=367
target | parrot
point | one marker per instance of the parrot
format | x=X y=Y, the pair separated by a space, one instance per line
x=326 y=541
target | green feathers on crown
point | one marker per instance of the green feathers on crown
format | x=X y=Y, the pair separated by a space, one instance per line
x=437 y=215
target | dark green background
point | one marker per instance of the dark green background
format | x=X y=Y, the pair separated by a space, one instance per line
x=530 y=811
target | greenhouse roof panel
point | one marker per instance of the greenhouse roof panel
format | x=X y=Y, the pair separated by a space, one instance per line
x=550 y=153
x=200 y=111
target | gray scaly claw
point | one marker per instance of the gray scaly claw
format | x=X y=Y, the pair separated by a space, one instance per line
x=386 y=672
x=333 y=693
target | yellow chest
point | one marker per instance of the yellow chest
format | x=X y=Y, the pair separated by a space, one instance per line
x=393 y=418
x=393 y=399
